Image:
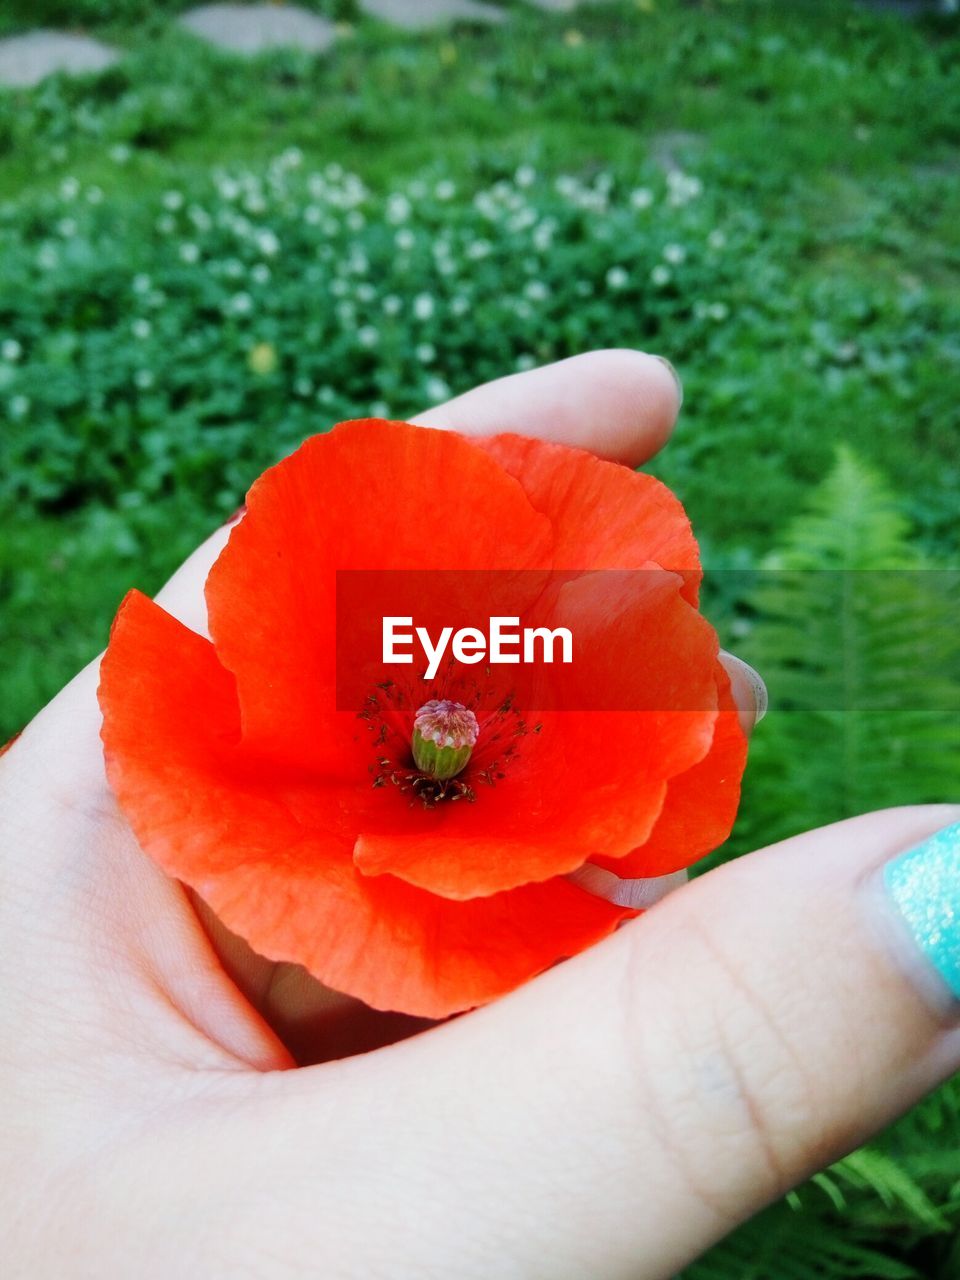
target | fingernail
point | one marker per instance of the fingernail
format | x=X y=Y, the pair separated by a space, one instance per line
x=924 y=886
x=676 y=378
x=637 y=894
x=237 y=515
x=755 y=681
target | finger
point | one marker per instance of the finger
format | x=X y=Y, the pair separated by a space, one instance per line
x=619 y=404
x=620 y=1114
x=749 y=691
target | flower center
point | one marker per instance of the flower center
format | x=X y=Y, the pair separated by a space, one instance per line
x=450 y=747
x=444 y=735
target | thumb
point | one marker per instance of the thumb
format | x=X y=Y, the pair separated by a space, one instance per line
x=635 y=1104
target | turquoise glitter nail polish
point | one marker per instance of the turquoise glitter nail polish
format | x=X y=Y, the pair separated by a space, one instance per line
x=924 y=884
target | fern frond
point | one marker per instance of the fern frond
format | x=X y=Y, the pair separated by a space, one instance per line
x=857 y=636
x=783 y=1244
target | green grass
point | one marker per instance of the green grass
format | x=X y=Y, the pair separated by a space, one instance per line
x=796 y=123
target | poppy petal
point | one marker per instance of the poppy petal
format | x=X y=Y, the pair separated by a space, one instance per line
x=329 y=507
x=700 y=805
x=604 y=515
x=397 y=947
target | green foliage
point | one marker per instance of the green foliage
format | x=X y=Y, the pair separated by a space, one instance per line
x=182 y=343
x=856 y=633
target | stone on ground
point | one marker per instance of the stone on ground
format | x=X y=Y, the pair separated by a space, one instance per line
x=559 y=6
x=249 y=28
x=26 y=60
x=431 y=13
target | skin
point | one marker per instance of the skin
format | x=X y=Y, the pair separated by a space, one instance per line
x=613 y=1118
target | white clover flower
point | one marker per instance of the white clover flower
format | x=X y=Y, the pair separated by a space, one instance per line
x=69 y=189
x=660 y=275
x=536 y=290
x=241 y=304
x=67 y=228
x=423 y=306
x=522 y=220
x=172 y=200
x=144 y=379
x=11 y=350
x=445 y=189
x=718 y=311
x=346 y=313
x=141 y=328
x=355 y=220
x=392 y=305
x=339 y=287
x=379 y=409
x=525 y=176
x=674 y=254
x=119 y=153
x=641 y=198
x=233 y=268
x=417 y=190
x=228 y=188
x=19 y=406
x=566 y=186
x=267 y=243
x=254 y=203
x=166 y=225
x=313 y=214
x=543 y=234
x=425 y=352
x=459 y=305
x=368 y=336
x=292 y=158
x=683 y=187
x=189 y=252
x=94 y=195
x=303 y=387
x=405 y=239
x=437 y=389
x=260 y=274
x=478 y=249
x=399 y=208
x=617 y=278
x=141 y=283
x=199 y=217
x=524 y=362
x=716 y=239
x=47 y=257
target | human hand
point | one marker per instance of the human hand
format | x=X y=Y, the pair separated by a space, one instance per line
x=612 y=1118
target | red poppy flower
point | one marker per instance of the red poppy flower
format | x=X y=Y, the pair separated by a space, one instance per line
x=414 y=850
